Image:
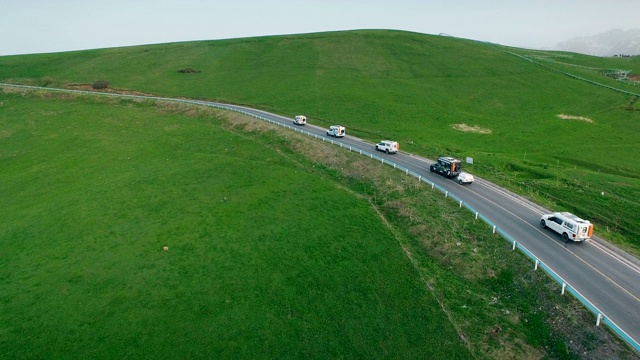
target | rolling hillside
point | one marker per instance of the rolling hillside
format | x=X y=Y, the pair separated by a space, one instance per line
x=280 y=246
x=559 y=140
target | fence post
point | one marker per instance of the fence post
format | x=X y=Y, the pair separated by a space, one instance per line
x=433 y=185
x=446 y=194
x=494 y=229
x=536 y=267
x=564 y=286
x=476 y=215
x=598 y=320
x=460 y=203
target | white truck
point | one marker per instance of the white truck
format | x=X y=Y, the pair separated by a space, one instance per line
x=336 y=131
x=300 y=120
x=569 y=226
x=388 y=146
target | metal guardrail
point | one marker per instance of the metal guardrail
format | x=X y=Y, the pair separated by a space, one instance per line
x=574 y=76
x=600 y=316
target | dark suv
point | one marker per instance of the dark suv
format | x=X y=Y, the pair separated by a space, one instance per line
x=446 y=166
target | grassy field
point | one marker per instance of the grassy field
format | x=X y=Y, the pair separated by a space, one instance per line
x=266 y=259
x=417 y=89
x=279 y=246
x=283 y=248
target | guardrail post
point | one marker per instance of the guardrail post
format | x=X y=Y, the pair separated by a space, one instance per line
x=536 y=267
x=564 y=286
x=514 y=245
x=598 y=320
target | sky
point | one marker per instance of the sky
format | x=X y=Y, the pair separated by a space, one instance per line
x=45 y=26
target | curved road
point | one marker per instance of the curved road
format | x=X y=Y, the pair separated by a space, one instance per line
x=601 y=273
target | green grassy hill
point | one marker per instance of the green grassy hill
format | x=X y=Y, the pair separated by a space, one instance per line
x=279 y=246
x=282 y=247
x=267 y=258
x=418 y=89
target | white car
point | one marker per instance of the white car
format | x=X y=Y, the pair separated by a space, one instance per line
x=568 y=225
x=300 y=120
x=336 y=131
x=465 y=178
x=390 y=147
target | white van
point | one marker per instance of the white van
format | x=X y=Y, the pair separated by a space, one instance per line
x=336 y=131
x=388 y=146
x=300 y=120
x=568 y=225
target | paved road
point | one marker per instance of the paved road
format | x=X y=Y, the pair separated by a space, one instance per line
x=608 y=278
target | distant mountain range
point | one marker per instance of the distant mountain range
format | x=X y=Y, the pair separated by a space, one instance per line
x=610 y=43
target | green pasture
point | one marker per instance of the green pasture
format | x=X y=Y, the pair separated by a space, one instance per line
x=279 y=246
x=416 y=89
x=266 y=258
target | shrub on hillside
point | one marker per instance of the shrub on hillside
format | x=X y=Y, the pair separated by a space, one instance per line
x=100 y=84
x=188 y=71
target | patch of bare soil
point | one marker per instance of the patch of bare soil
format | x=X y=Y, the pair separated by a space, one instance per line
x=471 y=128
x=88 y=87
x=572 y=117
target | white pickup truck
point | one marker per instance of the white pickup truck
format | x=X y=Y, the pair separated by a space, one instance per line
x=569 y=226
x=300 y=120
x=336 y=131
x=388 y=146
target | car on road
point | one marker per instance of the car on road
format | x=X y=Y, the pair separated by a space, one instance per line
x=388 y=146
x=447 y=167
x=465 y=178
x=300 y=120
x=569 y=226
x=336 y=131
